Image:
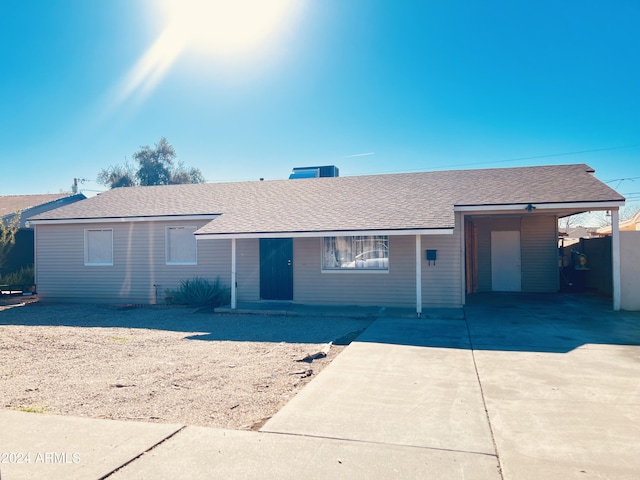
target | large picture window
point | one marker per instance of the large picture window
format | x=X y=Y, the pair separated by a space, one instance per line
x=98 y=247
x=356 y=253
x=181 y=246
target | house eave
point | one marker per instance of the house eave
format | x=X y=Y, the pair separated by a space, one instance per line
x=584 y=206
x=324 y=233
x=159 y=218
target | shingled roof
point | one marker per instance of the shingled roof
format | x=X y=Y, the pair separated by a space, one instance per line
x=10 y=204
x=407 y=201
x=31 y=205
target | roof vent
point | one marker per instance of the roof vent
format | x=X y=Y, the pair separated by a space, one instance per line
x=314 y=172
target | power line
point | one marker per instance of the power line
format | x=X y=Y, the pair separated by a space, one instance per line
x=551 y=155
x=620 y=180
x=578 y=152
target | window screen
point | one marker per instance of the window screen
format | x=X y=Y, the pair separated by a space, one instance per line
x=98 y=247
x=181 y=246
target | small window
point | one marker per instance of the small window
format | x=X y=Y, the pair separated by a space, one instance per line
x=356 y=253
x=181 y=246
x=98 y=247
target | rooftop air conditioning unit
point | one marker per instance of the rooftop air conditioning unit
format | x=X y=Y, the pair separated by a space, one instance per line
x=314 y=172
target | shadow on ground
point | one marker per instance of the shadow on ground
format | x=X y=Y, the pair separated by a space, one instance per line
x=196 y=324
x=518 y=322
x=511 y=322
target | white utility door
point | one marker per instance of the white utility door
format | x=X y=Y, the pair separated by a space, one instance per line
x=506 y=272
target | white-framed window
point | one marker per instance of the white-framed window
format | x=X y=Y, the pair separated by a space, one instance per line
x=98 y=247
x=362 y=252
x=181 y=247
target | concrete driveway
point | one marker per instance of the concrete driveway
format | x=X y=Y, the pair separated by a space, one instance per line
x=520 y=387
x=560 y=376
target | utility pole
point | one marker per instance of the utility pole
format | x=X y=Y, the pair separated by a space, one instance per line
x=74 y=187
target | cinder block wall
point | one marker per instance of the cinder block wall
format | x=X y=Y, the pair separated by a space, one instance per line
x=630 y=271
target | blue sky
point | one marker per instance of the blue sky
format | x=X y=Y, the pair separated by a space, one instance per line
x=368 y=85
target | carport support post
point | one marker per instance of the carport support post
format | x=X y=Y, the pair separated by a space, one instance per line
x=419 y=275
x=615 y=257
x=234 y=302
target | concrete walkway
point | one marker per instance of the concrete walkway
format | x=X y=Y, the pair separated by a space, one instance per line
x=520 y=388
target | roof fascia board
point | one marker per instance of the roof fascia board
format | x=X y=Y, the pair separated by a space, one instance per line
x=160 y=218
x=332 y=233
x=586 y=206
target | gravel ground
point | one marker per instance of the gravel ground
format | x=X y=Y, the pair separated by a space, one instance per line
x=160 y=364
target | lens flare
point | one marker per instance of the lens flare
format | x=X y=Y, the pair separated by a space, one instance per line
x=227 y=31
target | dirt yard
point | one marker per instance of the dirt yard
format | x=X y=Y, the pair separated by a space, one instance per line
x=160 y=364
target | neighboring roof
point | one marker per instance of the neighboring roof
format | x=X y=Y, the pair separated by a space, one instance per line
x=10 y=204
x=408 y=201
x=578 y=232
x=29 y=205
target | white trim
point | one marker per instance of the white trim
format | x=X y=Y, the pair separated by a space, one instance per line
x=331 y=233
x=35 y=257
x=419 y=275
x=234 y=275
x=615 y=257
x=540 y=206
x=163 y=218
x=342 y=271
x=86 y=249
x=463 y=258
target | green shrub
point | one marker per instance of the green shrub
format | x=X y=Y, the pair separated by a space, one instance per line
x=200 y=292
x=25 y=276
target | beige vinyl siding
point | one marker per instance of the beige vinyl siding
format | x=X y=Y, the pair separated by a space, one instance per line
x=393 y=288
x=539 y=243
x=442 y=282
x=139 y=273
x=248 y=268
x=485 y=227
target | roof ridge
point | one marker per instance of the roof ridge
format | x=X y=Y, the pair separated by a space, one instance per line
x=38 y=195
x=368 y=175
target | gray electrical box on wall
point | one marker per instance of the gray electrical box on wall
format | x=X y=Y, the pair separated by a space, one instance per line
x=431 y=256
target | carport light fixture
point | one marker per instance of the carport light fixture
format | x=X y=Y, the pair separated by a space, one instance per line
x=529 y=207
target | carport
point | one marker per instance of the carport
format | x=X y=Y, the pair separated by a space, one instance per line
x=514 y=247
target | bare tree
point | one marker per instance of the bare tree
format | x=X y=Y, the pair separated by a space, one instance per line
x=600 y=218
